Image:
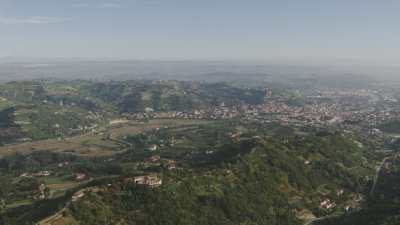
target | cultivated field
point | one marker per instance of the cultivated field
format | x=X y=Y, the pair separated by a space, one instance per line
x=99 y=143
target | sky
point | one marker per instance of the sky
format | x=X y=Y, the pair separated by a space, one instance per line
x=360 y=31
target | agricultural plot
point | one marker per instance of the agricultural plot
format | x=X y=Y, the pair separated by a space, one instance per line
x=101 y=143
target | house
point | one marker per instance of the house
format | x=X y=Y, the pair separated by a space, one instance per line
x=149 y=110
x=80 y=176
x=42 y=187
x=151 y=181
x=118 y=121
x=236 y=135
x=331 y=205
x=42 y=174
x=324 y=203
x=27 y=175
x=209 y=152
x=327 y=204
x=340 y=192
x=153 y=159
x=153 y=147
x=62 y=164
x=77 y=196
x=171 y=164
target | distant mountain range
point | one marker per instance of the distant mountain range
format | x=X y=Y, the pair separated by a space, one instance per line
x=211 y=71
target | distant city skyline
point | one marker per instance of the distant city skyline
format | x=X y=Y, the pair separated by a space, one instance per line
x=310 y=31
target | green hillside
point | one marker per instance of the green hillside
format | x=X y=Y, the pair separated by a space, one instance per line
x=248 y=179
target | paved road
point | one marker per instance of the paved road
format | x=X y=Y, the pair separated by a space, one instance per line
x=56 y=215
x=310 y=222
x=378 y=172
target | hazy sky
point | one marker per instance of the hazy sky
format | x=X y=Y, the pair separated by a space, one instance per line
x=360 y=30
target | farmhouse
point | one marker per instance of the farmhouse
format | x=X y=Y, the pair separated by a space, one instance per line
x=151 y=181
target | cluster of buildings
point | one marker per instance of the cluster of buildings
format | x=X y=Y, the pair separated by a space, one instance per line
x=363 y=106
x=166 y=163
x=221 y=112
x=45 y=173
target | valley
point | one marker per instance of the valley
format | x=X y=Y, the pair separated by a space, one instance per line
x=169 y=148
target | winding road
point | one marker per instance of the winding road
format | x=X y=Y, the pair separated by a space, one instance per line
x=378 y=172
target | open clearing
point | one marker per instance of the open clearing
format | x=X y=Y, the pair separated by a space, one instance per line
x=95 y=143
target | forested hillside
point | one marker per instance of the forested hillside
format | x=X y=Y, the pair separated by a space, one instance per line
x=251 y=179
